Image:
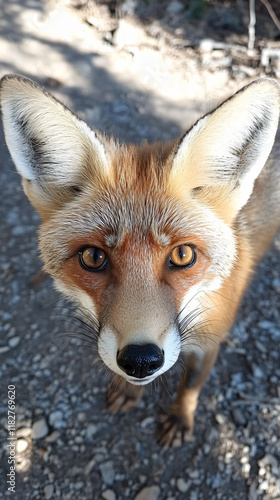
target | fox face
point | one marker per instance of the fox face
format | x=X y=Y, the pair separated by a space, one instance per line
x=143 y=238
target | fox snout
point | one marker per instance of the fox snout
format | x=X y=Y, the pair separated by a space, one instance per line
x=139 y=338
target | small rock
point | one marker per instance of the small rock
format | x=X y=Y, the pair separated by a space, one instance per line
x=24 y=432
x=263 y=485
x=56 y=419
x=206 y=449
x=4 y=349
x=267 y=460
x=109 y=495
x=246 y=469
x=49 y=491
x=183 y=485
x=220 y=418
x=207 y=45
x=239 y=417
x=14 y=341
x=40 y=429
x=194 y=495
x=216 y=483
x=257 y=371
x=148 y=493
x=22 y=445
x=53 y=437
x=175 y=7
x=107 y=472
x=276 y=284
x=91 y=430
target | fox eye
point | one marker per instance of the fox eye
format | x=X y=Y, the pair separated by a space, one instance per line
x=92 y=259
x=183 y=256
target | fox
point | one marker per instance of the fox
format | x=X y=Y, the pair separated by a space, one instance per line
x=156 y=243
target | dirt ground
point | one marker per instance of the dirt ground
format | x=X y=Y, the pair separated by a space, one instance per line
x=139 y=70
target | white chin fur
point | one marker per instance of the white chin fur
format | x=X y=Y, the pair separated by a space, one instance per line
x=108 y=348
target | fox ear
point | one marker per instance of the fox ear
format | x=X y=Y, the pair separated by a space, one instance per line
x=227 y=149
x=50 y=146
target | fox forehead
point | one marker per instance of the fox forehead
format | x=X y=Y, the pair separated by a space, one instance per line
x=136 y=199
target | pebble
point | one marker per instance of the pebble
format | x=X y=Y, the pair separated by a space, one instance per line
x=183 y=485
x=4 y=349
x=23 y=432
x=239 y=417
x=268 y=460
x=109 y=495
x=56 y=419
x=48 y=491
x=175 y=7
x=194 y=495
x=257 y=371
x=91 y=431
x=220 y=418
x=107 y=472
x=53 y=437
x=14 y=341
x=21 y=445
x=40 y=429
x=148 y=493
x=276 y=284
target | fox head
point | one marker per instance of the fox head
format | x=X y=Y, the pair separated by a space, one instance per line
x=139 y=236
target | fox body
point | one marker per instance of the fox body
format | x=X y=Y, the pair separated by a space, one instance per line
x=158 y=242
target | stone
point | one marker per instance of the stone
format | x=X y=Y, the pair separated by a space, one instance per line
x=107 y=472
x=56 y=419
x=174 y=8
x=91 y=430
x=21 y=445
x=148 y=493
x=49 y=491
x=183 y=485
x=40 y=429
x=109 y=495
x=14 y=341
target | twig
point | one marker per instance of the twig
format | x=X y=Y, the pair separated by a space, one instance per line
x=271 y=13
x=251 y=26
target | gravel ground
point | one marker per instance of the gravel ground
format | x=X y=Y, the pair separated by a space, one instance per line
x=68 y=445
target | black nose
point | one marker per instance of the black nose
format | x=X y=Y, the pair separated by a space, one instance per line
x=140 y=361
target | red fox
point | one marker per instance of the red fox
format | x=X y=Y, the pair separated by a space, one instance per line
x=157 y=243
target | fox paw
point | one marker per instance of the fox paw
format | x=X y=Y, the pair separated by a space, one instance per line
x=174 y=431
x=123 y=396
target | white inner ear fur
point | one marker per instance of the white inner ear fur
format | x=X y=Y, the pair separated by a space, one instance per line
x=231 y=144
x=45 y=139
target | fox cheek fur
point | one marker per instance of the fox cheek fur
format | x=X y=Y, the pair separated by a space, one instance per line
x=144 y=237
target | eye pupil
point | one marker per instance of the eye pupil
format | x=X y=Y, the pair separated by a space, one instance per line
x=92 y=258
x=183 y=256
x=181 y=253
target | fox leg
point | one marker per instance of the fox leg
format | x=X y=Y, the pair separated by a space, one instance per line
x=123 y=396
x=178 y=424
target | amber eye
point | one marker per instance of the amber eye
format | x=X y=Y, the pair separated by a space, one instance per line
x=92 y=259
x=183 y=256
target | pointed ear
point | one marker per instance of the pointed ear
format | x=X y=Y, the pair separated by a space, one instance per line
x=53 y=150
x=226 y=150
